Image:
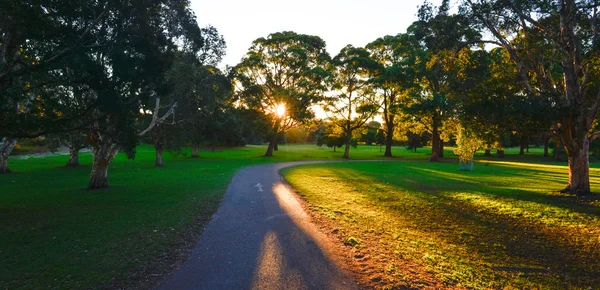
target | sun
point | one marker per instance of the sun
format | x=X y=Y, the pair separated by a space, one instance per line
x=280 y=110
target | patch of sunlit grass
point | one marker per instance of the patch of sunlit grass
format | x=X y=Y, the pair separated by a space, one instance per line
x=503 y=225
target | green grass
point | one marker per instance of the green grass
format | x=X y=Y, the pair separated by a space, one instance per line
x=429 y=224
x=57 y=234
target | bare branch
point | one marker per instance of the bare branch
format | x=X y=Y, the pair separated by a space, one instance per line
x=155 y=119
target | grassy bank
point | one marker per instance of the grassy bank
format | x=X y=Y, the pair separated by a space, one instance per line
x=423 y=224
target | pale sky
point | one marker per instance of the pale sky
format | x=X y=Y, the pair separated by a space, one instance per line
x=338 y=22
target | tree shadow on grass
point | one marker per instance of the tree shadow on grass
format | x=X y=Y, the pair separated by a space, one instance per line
x=502 y=186
x=513 y=247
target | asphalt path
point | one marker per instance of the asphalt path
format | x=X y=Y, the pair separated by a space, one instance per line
x=260 y=238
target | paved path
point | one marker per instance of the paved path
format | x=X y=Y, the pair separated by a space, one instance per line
x=260 y=238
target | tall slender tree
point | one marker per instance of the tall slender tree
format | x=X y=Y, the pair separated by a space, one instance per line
x=392 y=82
x=353 y=100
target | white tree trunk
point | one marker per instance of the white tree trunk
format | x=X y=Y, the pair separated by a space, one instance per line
x=104 y=152
x=7 y=144
x=579 y=169
x=159 y=155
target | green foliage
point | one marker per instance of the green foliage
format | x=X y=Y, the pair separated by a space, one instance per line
x=467 y=144
x=353 y=101
x=284 y=68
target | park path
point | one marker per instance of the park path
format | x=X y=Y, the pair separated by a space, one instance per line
x=260 y=238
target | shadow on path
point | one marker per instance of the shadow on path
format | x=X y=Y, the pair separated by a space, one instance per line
x=260 y=240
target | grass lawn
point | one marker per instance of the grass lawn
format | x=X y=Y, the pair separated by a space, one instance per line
x=421 y=224
x=57 y=234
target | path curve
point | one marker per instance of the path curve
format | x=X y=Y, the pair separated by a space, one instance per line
x=261 y=240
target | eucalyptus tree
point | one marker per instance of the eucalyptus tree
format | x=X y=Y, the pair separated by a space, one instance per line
x=486 y=95
x=213 y=115
x=352 y=100
x=393 y=80
x=111 y=55
x=128 y=74
x=570 y=30
x=282 y=75
x=74 y=141
x=194 y=86
x=35 y=37
x=435 y=39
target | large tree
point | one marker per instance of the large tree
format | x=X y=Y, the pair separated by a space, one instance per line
x=392 y=82
x=282 y=76
x=352 y=101
x=435 y=39
x=570 y=30
x=129 y=74
x=111 y=54
x=35 y=37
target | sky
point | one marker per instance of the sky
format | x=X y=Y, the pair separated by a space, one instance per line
x=338 y=22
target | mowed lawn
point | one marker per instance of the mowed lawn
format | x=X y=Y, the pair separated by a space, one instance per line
x=56 y=234
x=428 y=225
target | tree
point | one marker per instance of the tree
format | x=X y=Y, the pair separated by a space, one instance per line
x=201 y=89
x=467 y=144
x=282 y=76
x=372 y=133
x=334 y=140
x=74 y=140
x=392 y=82
x=352 y=101
x=129 y=75
x=436 y=37
x=570 y=30
x=111 y=55
x=7 y=144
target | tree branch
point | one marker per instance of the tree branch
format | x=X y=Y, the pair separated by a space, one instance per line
x=155 y=119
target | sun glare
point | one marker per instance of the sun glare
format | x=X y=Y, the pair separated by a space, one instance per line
x=280 y=110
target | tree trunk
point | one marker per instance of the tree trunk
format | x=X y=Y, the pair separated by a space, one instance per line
x=195 y=150
x=275 y=146
x=4 y=165
x=389 y=138
x=579 y=169
x=7 y=144
x=159 y=155
x=272 y=143
x=435 y=142
x=546 y=143
x=99 y=174
x=334 y=148
x=347 y=149
x=488 y=152
x=527 y=144
x=441 y=151
x=73 y=156
x=500 y=153
x=522 y=145
x=103 y=151
x=557 y=145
